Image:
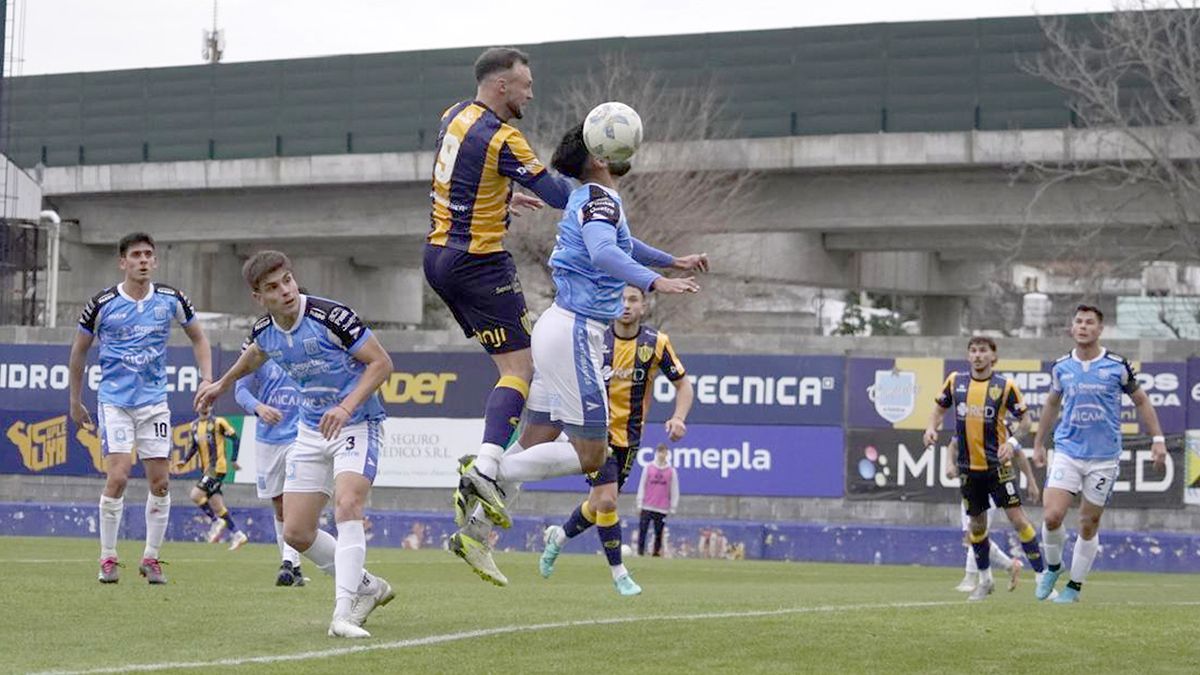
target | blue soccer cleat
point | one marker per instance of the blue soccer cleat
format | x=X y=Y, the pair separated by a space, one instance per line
x=1067 y=596
x=627 y=586
x=550 y=552
x=1045 y=584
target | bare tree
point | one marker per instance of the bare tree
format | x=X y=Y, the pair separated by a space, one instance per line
x=667 y=207
x=1132 y=81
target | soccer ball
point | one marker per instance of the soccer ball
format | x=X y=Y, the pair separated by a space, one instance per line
x=612 y=131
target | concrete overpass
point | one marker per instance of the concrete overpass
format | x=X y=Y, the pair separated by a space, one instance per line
x=910 y=213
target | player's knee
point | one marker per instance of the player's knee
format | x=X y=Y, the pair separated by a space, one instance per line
x=299 y=539
x=591 y=462
x=1052 y=520
x=603 y=504
x=348 y=507
x=159 y=486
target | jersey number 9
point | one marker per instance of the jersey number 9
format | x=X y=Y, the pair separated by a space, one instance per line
x=444 y=168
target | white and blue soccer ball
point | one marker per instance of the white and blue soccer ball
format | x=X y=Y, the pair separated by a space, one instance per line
x=612 y=131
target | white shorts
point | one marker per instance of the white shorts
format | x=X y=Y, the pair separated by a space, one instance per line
x=147 y=428
x=568 y=372
x=1095 y=478
x=270 y=463
x=313 y=462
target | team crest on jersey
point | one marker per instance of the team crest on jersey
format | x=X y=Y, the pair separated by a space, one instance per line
x=645 y=353
x=311 y=346
x=894 y=394
x=994 y=392
x=160 y=313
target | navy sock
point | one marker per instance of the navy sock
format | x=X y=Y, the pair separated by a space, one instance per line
x=610 y=538
x=578 y=521
x=503 y=412
x=229 y=521
x=208 y=511
x=983 y=549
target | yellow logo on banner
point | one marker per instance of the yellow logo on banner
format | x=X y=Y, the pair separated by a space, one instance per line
x=89 y=440
x=42 y=444
x=420 y=388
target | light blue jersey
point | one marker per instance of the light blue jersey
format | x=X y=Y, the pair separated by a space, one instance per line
x=586 y=265
x=133 y=342
x=318 y=353
x=1090 y=425
x=271 y=385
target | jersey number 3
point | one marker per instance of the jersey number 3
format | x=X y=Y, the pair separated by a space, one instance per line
x=444 y=168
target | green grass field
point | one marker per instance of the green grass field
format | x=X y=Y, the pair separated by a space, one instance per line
x=695 y=616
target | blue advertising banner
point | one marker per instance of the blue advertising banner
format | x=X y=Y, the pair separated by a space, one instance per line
x=757 y=390
x=49 y=444
x=35 y=377
x=741 y=460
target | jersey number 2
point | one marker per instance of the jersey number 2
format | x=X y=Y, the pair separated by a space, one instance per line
x=444 y=168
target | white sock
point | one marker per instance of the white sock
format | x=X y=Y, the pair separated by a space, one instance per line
x=999 y=558
x=350 y=556
x=1083 y=557
x=985 y=575
x=111 y=511
x=488 y=459
x=287 y=553
x=158 y=512
x=542 y=461
x=560 y=537
x=322 y=552
x=1052 y=544
x=618 y=571
x=972 y=566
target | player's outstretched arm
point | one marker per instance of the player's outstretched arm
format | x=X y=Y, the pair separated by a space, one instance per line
x=1045 y=425
x=200 y=349
x=600 y=237
x=79 y=349
x=1149 y=418
x=251 y=360
x=649 y=256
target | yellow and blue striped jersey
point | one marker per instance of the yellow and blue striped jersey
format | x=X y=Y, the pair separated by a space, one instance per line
x=980 y=411
x=631 y=364
x=476 y=159
x=208 y=439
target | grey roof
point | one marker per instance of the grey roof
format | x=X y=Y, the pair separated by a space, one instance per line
x=926 y=76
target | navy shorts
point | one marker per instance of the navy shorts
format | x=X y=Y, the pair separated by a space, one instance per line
x=616 y=469
x=997 y=484
x=484 y=295
x=210 y=485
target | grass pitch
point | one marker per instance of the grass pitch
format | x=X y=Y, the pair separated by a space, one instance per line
x=694 y=616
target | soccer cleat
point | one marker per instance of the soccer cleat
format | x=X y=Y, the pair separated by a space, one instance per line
x=550 y=551
x=462 y=504
x=1014 y=574
x=365 y=603
x=1045 y=584
x=238 y=540
x=478 y=556
x=216 y=530
x=627 y=586
x=984 y=589
x=287 y=575
x=344 y=628
x=1066 y=596
x=969 y=581
x=151 y=568
x=300 y=578
x=109 y=572
x=475 y=487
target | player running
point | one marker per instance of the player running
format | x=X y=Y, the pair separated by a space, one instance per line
x=270 y=395
x=478 y=155
x=982 y=400
x=593 y=261
x=133 y=322
x=209 y=438
x=1087 y=384
x=338 y=364
x=632 y=354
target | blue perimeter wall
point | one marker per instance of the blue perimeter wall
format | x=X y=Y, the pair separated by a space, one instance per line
x=809 y=542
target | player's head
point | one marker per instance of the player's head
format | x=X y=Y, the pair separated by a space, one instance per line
x=571 y=158
x=137 y=258
x=505 y=81
x=1087 y=325
x=633 y=300
x=981 y=353
x=272 y=285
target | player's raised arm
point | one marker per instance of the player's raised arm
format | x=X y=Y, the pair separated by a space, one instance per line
x=251 y=360
x=600 y=237
x=517 y=161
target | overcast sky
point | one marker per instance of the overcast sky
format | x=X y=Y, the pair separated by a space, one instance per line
x=84 y=35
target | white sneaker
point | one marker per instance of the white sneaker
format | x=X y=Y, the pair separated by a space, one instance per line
x=984 y=589
x=969 y=581
x=344 y=628
x=365 y=603
x=238 y=540
x=216 y=530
